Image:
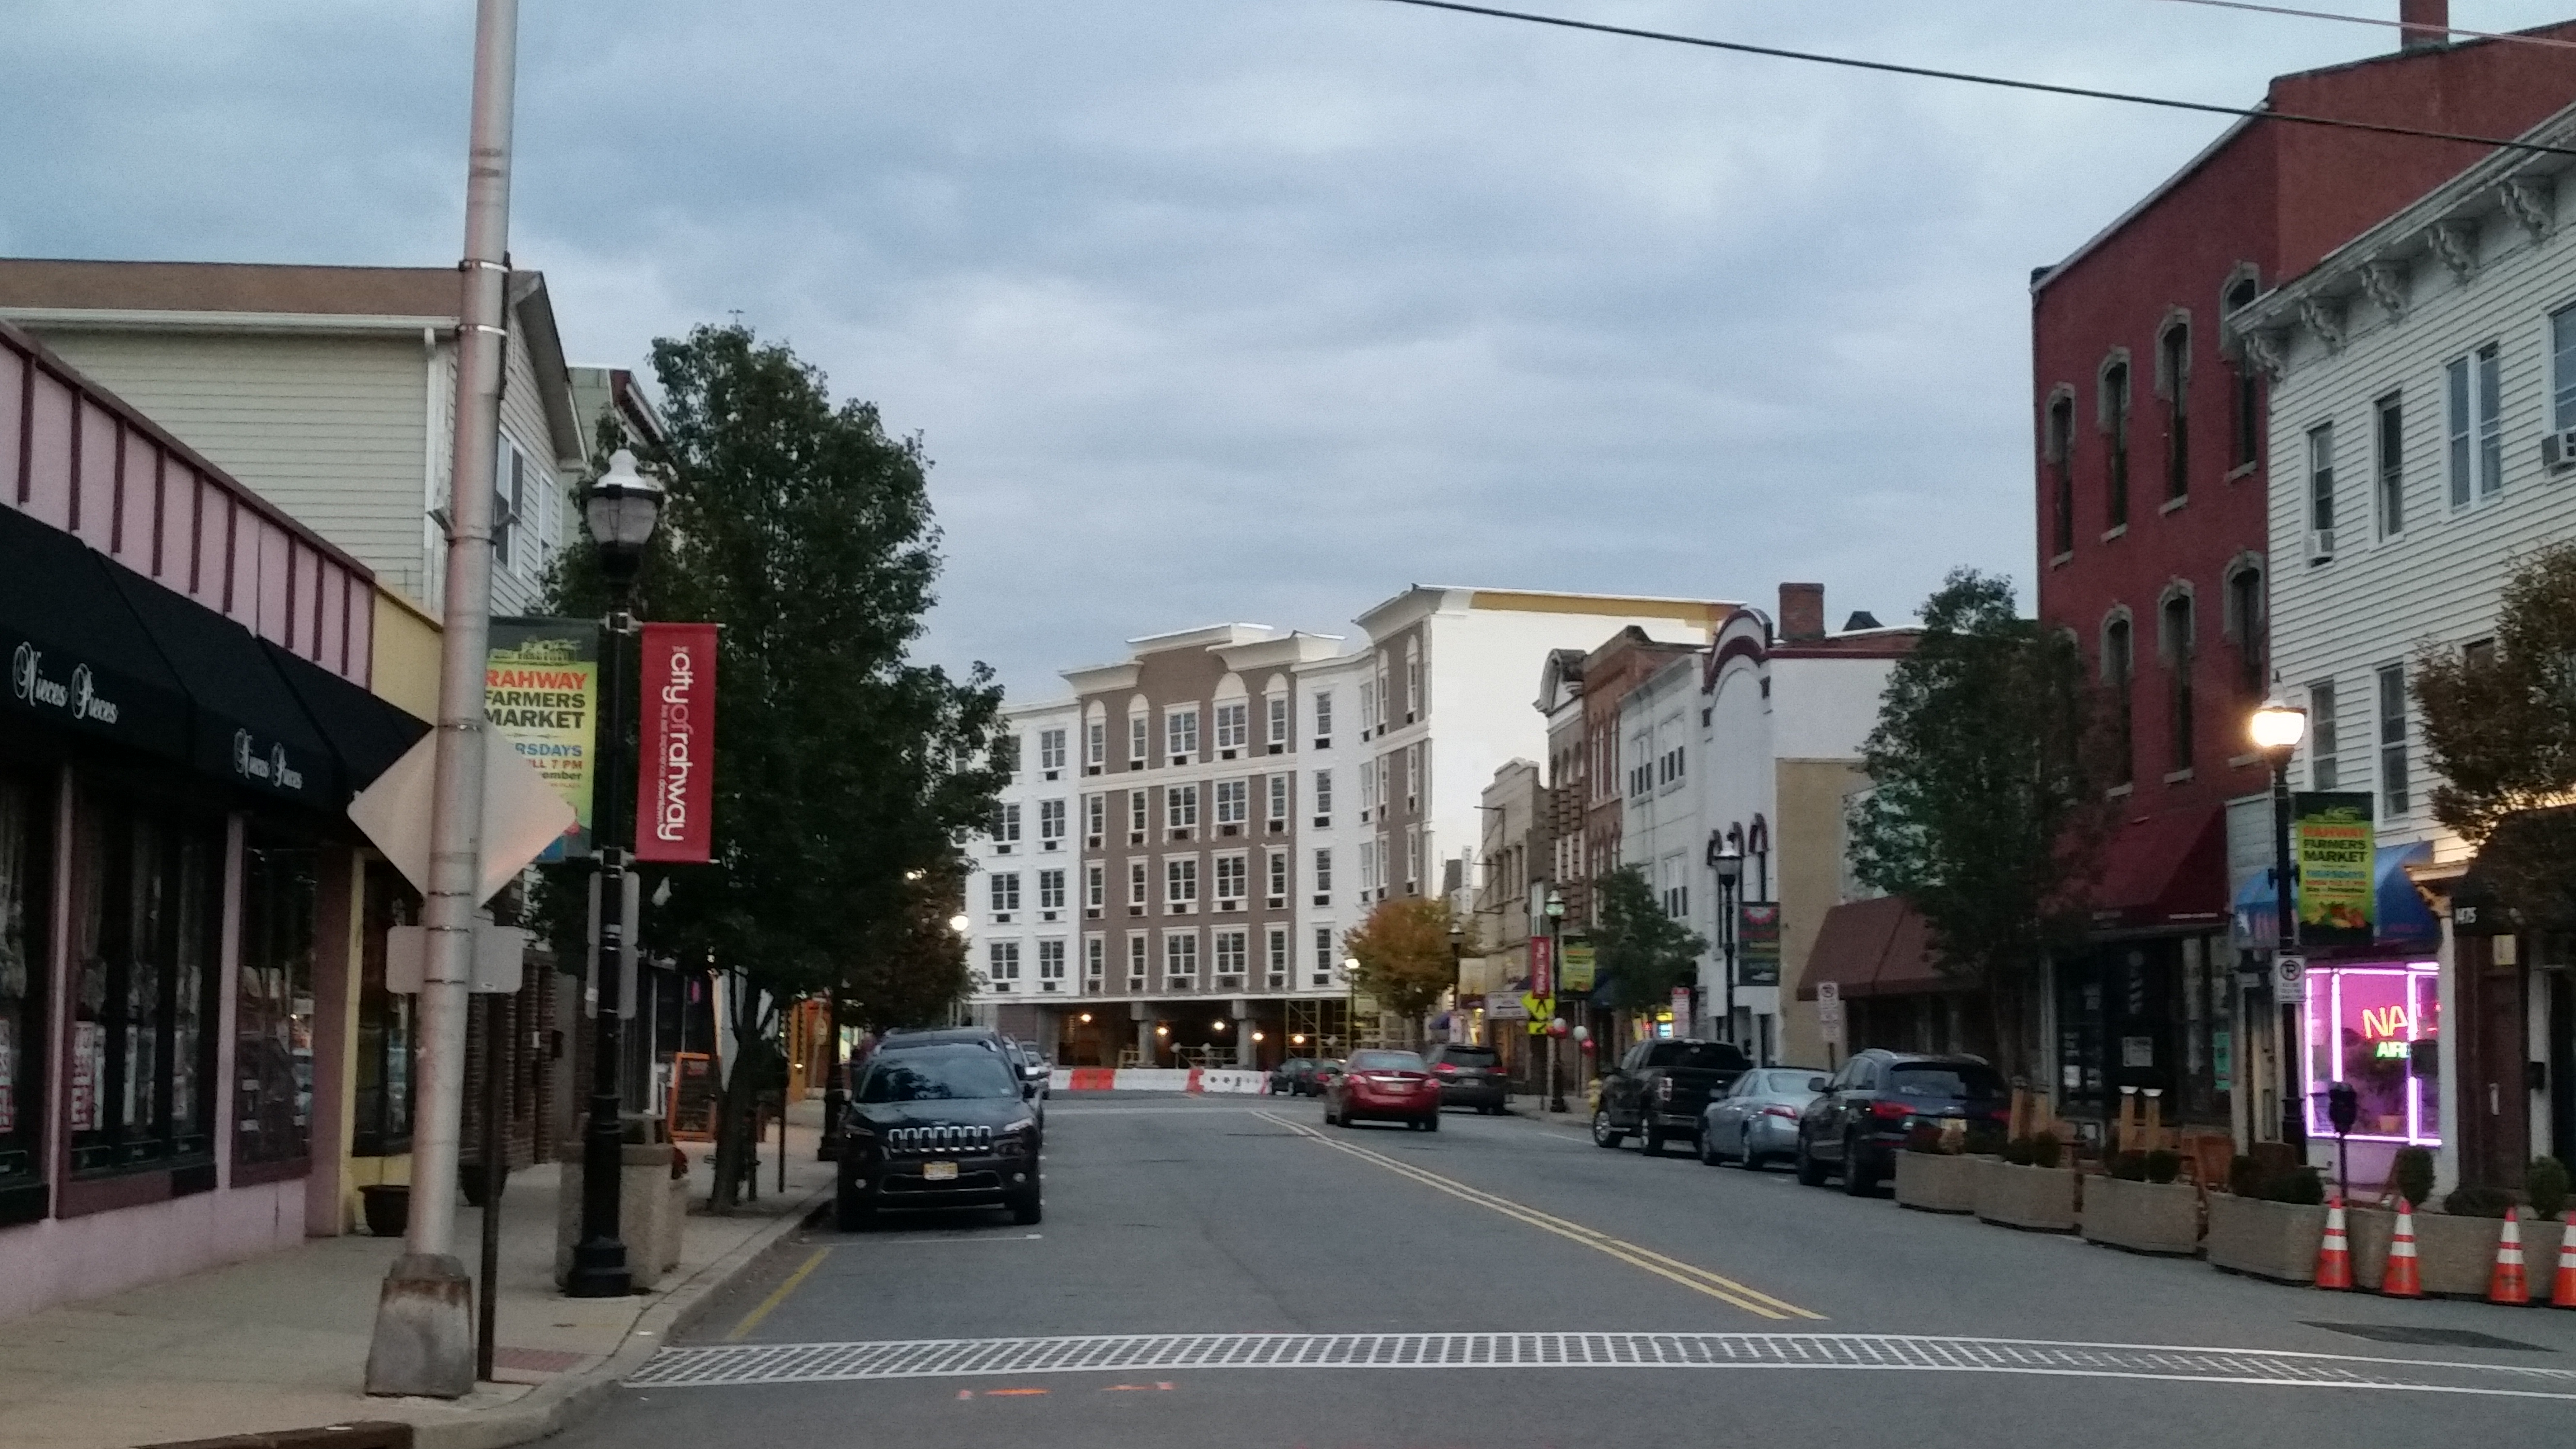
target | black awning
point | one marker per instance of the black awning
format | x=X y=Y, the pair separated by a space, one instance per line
x=78 y=656
x=367 y=733
x=251 y=730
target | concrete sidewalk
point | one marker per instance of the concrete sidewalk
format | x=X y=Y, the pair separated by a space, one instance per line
x=280 y=1342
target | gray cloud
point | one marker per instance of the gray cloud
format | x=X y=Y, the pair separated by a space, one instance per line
x=1247 y=309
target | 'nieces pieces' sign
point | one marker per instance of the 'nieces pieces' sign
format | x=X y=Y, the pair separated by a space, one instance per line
x=679 y=739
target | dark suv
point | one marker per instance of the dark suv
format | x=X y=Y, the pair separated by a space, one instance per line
x=1659 y=1088
x=937 y=1125
x=1857 y=1125
x=1470 y=1076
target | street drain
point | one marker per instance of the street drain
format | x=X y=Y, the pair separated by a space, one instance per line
x=2427 y=1337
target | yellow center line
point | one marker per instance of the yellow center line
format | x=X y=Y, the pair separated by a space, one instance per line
x=795 y=1280
x=1688 y=1275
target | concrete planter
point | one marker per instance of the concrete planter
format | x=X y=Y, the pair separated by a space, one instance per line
x=2039 y=1199
x=2275 y=1240
x=1937 y=1182
x=650 y=1205
x=2456 y=1256
x=2143 y=1217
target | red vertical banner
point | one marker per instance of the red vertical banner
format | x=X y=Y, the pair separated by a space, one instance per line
x=675 y=793
x=1542 y=963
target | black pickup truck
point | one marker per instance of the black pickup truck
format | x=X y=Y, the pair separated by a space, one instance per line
x=1659 y=1087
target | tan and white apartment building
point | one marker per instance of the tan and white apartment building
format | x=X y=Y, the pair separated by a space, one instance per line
x=1233 y=799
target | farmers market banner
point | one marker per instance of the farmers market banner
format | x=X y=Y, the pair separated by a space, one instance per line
x=1757 y=945
x=679 y=744
x=541 y=691
x=2333 y=842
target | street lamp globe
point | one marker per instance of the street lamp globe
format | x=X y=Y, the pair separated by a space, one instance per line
x=1728 y=858
x=960 y=922
x=621 y=506
x=2278 y=725
x=1350 y=966
x=1555 y=907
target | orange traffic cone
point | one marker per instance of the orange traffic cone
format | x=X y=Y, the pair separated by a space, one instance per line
x=2505 y=1284
x=2404 y=1278
x=2334 y=1255
x=2563 y=1294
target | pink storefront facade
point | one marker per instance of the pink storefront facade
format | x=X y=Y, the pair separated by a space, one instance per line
x=187 y=714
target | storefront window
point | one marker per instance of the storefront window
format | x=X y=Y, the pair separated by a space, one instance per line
x=273 y=1016
x=23 y=879
x=144 y=924
x=2377 y=1027
x=385 y=1031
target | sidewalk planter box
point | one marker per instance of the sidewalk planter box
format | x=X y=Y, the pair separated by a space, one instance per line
x=2275 y=1240
x=2143 y=1217
x=2040 y=1199
x=649 y=1209
x=1938 y=1182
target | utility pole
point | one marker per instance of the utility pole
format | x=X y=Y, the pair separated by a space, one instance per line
x=424 y=1335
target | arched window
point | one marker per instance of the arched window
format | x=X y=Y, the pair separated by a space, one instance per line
x=1757 y=858
x=2173 y=377
x=2245 y=625
x=2061 y=470
x=2119 y=664
x=2248 y=419
x=2177 y=644
x=2114 y=420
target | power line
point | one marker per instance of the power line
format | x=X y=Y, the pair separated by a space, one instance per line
x=2407 y=25
x=1971 y=78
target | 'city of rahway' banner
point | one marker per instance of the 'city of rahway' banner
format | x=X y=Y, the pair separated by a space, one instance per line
x=2332 y=847
x=676 y=790
x=541 y=691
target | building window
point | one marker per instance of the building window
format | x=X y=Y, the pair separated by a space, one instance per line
x=2180 y=648
x=2391 y=475
x=1181 y=733
x=1413 y=777
x=1676 y=888
x=1231 y=871
x=1322 y=969
x=2325 y=769
x=2394 y=799
x=1276 y=959
x=1050 y=890
x=381 y=1105
x=1095 y=817
x=1323 y=794
x=1231 y=951
x=2061 y=471
x=25 y=894
x=1231 y=729
x=2245 y=601
x=1412 y=856
x=2119 y=660
x=2562 y=369
x=1139 y=731
x=1277 y=706
x=2115 y=426
x=1095 y=887
x=1006 y=753
x=1051 y=823
x=1136 y=822
x=1181 y=883
x=1323 y=719
x=1232 y=807
x=1050 y=965
x=1641 y=768
x=510 y=499
x=1369 y=776
x=1004 y=890
x=1181 y=807
x=2473 y=391
x=2249 y=387
x=1279 y=788
x=1368 y=866
x=2321 y=479
x=1323 y=871
x=1050 y=749
x=1095 y=743
x=1181 y=959
x=1385 y=695
x=2173 y=360
x=1412 y=680
x=1136 y=884
x=1003 y=958
x=1006 y=824
x=1095 y=961
x=1368 y=706
x=1136 y=963
x=273 y=1009
x=1278 y=892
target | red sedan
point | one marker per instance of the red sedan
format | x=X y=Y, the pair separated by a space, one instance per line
x=1384 y=1084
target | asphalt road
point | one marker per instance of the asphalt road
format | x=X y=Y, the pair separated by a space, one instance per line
x=1183 y=1237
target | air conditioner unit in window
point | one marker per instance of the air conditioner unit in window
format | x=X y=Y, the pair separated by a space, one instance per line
x=1052 y=774
x=1323 y=822
x=1180 y=759
x=1049 y=986
x=1091 y=913
x=1091 y=769
x=1181 y=834
x=1323 y=742
x=1276 y=903
x=1003 y=918
x=1225 y=754
x=1091 y=842
x=1323 y=900
x=1278 y=827
x=1278 y=749
x=2558 y=449
x=1135 y=837
x=1050 y=915
x=1230 y=829
x=1001 y=849
x=1230 y=904
x=2321 y=545
x=1052 y=845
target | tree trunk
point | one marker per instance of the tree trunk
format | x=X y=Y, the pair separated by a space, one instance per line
x=737 y=1125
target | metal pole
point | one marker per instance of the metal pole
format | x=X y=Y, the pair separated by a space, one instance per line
x=836 y=1095
x=599 y=1259
x=1726 y=931
x=1556 y=988
x=496 y=1174
x=424 y=1341
x=2285 y=936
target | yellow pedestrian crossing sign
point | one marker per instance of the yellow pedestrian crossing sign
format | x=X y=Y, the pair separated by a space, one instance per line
x=1542 y=1010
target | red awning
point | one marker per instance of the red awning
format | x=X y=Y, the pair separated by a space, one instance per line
x=2165 y=870
x=1872 y=948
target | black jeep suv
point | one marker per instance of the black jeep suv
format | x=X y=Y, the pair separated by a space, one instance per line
x=935 y=1126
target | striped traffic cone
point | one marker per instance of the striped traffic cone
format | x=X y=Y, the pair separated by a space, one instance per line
x=2404 y=1278
x=2506 y=1284
x=2563 y=1293
x=2334 y=1255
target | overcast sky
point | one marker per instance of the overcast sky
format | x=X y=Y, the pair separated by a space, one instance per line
x=1238 y=309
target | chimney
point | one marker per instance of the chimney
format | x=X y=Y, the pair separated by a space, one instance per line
x=1802 y=612
x=2427 y=23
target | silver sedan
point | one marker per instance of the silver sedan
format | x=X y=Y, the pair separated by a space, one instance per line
x=1757 y=1118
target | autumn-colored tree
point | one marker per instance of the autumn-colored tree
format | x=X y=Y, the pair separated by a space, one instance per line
x=1408 y=960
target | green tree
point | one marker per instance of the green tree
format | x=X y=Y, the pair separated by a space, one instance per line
x=846 y=773
x=2500 y=733
x=1408 y=960
x=1987 y=811
x=1641 y=953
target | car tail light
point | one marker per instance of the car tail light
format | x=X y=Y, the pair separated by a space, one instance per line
x=1890 y=1111
x=1444 y=1067
x=1776 y=1110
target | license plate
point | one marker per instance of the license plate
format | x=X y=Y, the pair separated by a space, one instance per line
x=939 y=1172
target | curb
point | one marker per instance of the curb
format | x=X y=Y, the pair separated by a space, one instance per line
x=568 y=1399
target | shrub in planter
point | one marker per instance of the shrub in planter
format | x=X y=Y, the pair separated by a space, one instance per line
x=2163 y=1166
x=2300 y=1186
x=2129 y=1166
x=2045 y=1149
x=2244 y=1176
x=2412 y=1171
x=1923 y=1137
x=1985 y=1139
x=2477 y=1202
x=2546 y=1181
x=2017 y=1152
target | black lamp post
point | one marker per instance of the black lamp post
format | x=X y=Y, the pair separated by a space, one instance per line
x=621 y=507
x=1457 y=958
x=1727 y=859
x=1555 y=911
x=2277 y=728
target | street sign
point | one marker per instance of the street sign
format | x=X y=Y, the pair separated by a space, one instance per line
x=522 y=814
x=1540 y=1009
x=2289 y=979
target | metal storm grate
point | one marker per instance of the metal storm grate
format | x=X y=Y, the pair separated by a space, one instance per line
x=940 y=1139
x=957 y=1357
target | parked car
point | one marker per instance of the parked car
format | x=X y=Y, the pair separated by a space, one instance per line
x=904 y=1039
x=1470 y=1076
x=1856 y=1126
x=1757 y=1118
x=1034 y=1068
x=1299 y=1077
x=1659 y=1087
x=938 y=1125
x=1392 y=1085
